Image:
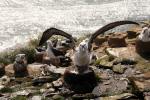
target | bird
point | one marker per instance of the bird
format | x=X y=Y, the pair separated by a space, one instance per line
x=49 y=57
x=143 y=41
x=54 y=53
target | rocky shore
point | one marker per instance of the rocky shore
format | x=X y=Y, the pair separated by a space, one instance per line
x=118 y=72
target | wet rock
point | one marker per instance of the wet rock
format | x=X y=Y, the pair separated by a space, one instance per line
x=58 y=97
x=110 y=87
x=122 y=52
x=117 y=40
x=124 y=96
x=80 y=83
x=143 y=48
x=119 y=68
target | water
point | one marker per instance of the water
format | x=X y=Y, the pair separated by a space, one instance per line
x=22 y=20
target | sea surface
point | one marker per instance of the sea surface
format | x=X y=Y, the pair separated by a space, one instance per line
x=22 y=20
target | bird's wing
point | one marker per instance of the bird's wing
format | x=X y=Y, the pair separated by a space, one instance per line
x=53 y=31
x=106 y=28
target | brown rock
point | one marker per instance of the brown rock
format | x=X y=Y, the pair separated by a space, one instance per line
x=117 y=40
x=99 y=40
x=36 y=69
x=143 y=47
x=9 y=70
x=131 y=34
x=141 y=85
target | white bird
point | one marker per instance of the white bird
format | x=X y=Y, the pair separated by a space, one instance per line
x=145 y=34
x=82 y=54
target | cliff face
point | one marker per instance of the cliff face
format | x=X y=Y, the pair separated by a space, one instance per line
x=21 y=20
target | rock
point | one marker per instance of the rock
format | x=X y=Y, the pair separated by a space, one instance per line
x=119 y=68
x=2 y=69
x=105 y=61
x=99 y=40
x=36 y=98
x=146 y=75
x=80 y=83
x=131 y=34
x=4 y=80
x=124 y=61
x=36 y=69
x=146 y=95
x=58 y=83
x=117 y=40
x=9 y=70
x=43 y=90
x=124 y=96
x=140 y=85
x=83 y=96
x=58 y=97
x=110 y=87
x=21 y=93
x=123 y=52
x=43 y=79
x=143 y=48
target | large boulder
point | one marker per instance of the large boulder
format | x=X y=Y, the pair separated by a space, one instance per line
x=80 y=83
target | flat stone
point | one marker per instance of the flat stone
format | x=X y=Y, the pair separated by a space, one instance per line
x=36 y=69
x=123 y=52
x=124 y=96
x=110 y=87
x=141 y=85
